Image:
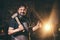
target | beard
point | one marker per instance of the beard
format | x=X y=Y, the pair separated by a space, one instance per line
x=21 y=15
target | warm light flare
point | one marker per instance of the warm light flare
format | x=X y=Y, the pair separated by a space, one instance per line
x=49 y=24
x=47 y=27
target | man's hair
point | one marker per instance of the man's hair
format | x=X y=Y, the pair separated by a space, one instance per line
x=21 y=4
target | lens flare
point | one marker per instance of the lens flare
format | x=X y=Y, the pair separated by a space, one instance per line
x=49 y=24
x=47 y=27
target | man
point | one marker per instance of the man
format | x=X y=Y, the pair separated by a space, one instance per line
x=19 y=24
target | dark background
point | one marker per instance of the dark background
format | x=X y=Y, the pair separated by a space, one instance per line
x=42 y=7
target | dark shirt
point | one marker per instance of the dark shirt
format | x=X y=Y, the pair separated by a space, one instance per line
x=24 y=21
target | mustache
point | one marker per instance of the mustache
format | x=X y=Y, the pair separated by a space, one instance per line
x=22 y=13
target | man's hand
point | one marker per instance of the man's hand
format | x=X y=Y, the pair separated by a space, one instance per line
x=37 y=26
x=20 y=27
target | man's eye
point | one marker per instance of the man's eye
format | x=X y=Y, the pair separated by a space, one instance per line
x=20 y=9
x=24 y=9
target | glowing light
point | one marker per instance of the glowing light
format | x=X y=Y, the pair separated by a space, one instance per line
x=59 y=29
x=49 y=24
x=2 y=30
x=47 y=27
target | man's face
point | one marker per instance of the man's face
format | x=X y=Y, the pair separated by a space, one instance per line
x=22 y=10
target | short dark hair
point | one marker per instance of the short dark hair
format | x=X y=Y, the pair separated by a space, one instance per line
x=21 y=4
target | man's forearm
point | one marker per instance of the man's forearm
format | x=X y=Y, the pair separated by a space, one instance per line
x=13 y=31
x=35 y=28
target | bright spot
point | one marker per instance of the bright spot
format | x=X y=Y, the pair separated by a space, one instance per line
x=59 y=29
x=47 y=27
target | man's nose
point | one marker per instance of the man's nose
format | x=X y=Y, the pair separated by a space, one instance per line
x=22 y=11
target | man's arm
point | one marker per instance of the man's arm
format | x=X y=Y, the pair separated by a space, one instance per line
x=37 y=26
x=12 y=30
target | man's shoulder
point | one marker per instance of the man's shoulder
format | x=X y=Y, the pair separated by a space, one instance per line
x=12 y=19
